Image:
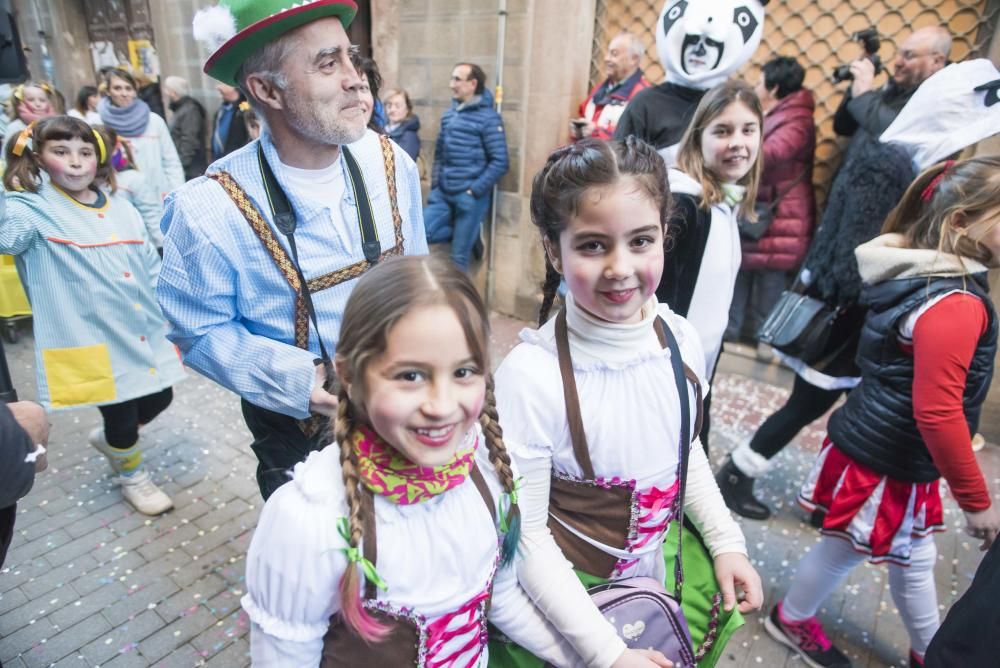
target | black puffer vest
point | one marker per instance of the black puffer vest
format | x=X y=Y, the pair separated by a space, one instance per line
x=876 y=425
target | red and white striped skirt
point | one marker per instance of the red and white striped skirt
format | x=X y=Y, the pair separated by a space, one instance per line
x=879 y=515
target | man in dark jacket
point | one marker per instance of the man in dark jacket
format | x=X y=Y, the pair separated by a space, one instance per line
x=229 y=132
x=23 y=427
x=469 y=158
x=187 y=126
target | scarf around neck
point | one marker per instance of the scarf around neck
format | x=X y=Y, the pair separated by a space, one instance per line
x=129 y=121
x=733 y=194
x=386 y=472
x=25 y=113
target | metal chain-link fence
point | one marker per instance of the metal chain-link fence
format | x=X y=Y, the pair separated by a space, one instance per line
x=818 y=34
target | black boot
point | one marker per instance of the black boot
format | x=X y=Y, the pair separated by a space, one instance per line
x=737 y=490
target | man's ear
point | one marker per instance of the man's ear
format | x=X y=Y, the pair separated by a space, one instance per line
x=552 y=252
x=265 y=92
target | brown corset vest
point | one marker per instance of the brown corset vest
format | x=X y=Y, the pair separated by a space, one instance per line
x=600 y=510
x=404 y=644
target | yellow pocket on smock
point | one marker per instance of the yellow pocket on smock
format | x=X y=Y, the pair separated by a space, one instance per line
x=80 y=375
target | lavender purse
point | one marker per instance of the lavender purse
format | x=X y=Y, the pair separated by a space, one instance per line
x=641 y=610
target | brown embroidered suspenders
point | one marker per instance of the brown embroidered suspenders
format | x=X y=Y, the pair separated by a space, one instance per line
x=263 y=231
x=258 y=223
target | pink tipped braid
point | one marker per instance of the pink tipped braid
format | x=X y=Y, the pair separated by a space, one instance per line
x=931 y=188
x=352 y=609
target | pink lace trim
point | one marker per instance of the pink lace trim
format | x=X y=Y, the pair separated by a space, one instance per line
x=649 y=505
x=468 y=619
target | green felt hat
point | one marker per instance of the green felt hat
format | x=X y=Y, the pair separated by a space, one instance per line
x=234 y=29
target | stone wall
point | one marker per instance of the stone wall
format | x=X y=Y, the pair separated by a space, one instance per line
x=179 y=53
x=546 y=66
x=62 y=28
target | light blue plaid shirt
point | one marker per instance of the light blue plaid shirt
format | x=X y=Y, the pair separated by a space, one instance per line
x=231 y=310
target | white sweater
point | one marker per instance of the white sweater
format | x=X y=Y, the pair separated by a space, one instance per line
x=631 y=415
x=435 y=556
x=156 y=156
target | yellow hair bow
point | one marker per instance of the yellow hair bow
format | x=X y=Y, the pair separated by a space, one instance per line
x=22 y=140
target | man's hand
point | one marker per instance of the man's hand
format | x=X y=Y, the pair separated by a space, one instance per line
x=581 y=128
x=864 y=77
x=321 y=401
x=32 y=419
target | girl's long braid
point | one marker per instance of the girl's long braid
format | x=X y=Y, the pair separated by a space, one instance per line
x=351 y=608
x=500 y=458
x=549 y=289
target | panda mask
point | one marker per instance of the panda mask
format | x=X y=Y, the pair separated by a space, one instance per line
x=702 y=42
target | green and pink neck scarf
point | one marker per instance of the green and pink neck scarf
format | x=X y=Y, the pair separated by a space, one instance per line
x=385 y=471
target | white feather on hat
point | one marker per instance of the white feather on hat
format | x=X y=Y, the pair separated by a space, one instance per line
x=947 y=113
x=213 y=27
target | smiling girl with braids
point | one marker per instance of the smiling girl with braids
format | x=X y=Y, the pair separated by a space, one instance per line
x=388 y=546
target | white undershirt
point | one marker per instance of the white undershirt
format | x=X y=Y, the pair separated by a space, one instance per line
x=716 y=282
x=323 y=186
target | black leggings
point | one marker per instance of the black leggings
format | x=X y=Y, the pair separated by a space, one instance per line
x=121 y=421
x=806 y=403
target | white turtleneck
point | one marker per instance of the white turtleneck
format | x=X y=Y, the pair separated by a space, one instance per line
x=631 y=415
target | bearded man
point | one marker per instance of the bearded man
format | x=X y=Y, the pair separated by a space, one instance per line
x=261 y=254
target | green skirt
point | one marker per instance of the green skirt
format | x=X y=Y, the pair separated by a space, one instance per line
x=699 y=589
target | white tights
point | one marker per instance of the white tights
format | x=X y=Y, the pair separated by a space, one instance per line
x=832 y=559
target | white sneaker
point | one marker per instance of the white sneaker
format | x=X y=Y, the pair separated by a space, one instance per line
x=140 y=490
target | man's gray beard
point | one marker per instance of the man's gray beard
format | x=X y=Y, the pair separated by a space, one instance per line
x=336 y=133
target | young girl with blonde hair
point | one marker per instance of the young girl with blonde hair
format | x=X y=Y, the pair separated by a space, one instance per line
x=714 y=186
x=926 y=355
x=30 y=102
x=391 y=546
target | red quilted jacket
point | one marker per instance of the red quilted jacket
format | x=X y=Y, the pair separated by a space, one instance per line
x=789 y=146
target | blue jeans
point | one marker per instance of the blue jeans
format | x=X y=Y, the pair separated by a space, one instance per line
x=455 y=218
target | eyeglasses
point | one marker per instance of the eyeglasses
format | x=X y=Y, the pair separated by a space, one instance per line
x=458 y=78
x=906 y=54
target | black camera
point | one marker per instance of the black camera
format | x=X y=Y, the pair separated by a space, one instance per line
x=872 y=43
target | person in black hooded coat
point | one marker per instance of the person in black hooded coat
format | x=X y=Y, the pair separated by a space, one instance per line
x=870 y=183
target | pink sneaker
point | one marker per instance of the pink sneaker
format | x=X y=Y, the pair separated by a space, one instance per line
x=806 y=638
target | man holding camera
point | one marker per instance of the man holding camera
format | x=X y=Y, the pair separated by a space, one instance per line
x=872 y=111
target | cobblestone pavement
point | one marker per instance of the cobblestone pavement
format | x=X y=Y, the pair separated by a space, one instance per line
x=89 y=582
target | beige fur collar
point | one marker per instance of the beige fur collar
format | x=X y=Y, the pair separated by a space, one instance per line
x=886 y=257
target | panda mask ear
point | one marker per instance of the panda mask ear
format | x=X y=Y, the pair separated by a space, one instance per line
x=702 y=42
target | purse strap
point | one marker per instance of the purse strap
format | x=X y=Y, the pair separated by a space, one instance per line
x=772 y=205
x=579 y=438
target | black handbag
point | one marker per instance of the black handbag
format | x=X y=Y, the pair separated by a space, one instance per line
x=753 y=231
x=799 y=325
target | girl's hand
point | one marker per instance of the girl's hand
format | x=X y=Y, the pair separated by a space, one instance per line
x=732 y=569
x=985 y=524
x=642 y=658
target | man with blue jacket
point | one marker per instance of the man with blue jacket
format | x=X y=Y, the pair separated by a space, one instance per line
x=469 y=158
